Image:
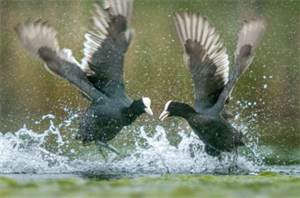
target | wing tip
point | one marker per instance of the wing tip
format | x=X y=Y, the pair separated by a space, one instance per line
x=35 y=34
x=251 y=34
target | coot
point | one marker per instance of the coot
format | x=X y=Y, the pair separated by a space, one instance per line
x=99 y=76
x=207 y=60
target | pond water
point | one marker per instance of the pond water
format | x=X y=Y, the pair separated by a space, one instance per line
x=101 y=175
x=29 y=152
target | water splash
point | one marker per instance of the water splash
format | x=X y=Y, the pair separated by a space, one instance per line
x=26 y=151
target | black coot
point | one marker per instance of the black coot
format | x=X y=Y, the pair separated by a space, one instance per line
x=99 y=76
x=207 y=60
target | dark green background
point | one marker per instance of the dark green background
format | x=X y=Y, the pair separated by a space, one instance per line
x=154 y=67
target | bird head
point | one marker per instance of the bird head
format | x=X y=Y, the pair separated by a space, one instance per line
x=176 y=109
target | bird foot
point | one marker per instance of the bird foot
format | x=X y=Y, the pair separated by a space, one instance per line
x=233 y=167
x=102 y=145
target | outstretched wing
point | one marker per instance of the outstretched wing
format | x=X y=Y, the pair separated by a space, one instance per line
x=105 y=49
x=205 y=57
x=39 y=38
x=250 y=36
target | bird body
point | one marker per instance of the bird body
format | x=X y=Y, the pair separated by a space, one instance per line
x=103 y=122
x=216 y=132
x=206 y=59
x=100 y=75
x=211 y=128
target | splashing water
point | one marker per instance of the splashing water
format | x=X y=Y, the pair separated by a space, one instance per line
x=25 y=151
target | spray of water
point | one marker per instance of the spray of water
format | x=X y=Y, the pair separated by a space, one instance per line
x=27 y=151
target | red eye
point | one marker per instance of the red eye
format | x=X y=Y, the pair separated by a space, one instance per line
x=172 y=107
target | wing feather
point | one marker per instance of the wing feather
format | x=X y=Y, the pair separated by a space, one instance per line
x=104 y=49
x=204 y=55
x=39 y=38
x=249 y=37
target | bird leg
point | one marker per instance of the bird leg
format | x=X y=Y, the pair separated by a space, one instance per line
x=164 y=163
x=100 y=145
x=233 y=166
x=220 y=167
x=220 y=158
x=102 y=153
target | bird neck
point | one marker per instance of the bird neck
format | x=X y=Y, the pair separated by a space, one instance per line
x=184 y=110
x=135 y=109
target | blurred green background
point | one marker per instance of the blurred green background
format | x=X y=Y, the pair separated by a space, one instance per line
x=266 y=98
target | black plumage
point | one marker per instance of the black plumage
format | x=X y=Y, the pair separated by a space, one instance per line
x=208 y=62
x=100 y=75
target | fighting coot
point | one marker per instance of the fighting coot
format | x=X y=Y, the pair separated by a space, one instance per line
x=99 y=76
x=207 y=60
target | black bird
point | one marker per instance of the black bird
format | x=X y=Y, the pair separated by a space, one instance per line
x=99 y=76
x=207 y=60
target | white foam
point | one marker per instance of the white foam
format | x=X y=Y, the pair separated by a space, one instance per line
x=27 y=151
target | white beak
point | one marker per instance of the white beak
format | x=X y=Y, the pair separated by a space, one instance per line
x=149 y=111
x=163 y=115
x=147 y=103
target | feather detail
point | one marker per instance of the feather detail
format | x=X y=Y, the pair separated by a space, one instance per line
x=35 y=34
x=196 y=28
x=101 y=21
x=249 y=37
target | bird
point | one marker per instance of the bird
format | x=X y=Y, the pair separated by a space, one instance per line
x=99 y=76
x=207 y=60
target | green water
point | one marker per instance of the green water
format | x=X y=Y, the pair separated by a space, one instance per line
x=267 y=184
